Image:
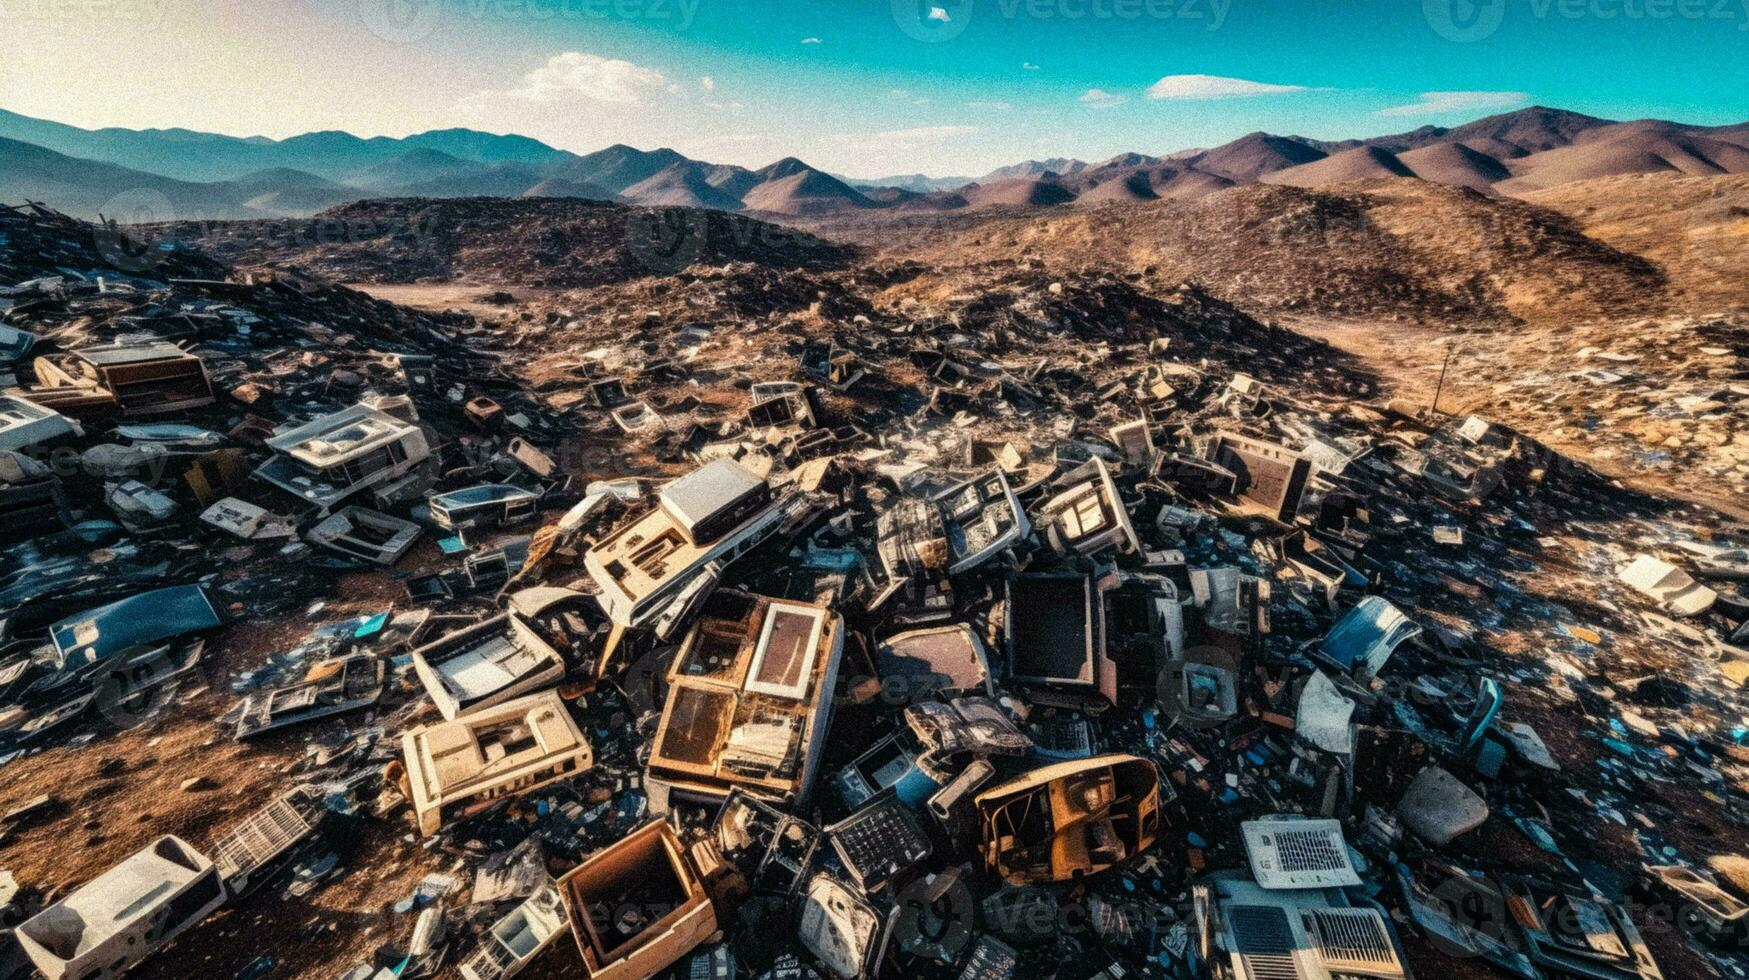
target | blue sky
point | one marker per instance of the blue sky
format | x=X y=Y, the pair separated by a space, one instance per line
x=869 y=87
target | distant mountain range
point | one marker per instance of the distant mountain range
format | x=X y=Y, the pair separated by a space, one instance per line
x=206 y=176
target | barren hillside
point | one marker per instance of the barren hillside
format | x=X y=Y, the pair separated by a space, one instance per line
x=1695 y=228
x=1403 y=248
x=541 y=242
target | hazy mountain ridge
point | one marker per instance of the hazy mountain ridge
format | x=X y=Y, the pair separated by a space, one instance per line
x=207 y=176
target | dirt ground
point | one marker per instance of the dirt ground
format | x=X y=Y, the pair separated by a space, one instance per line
x=121 y=790
x=438 y=297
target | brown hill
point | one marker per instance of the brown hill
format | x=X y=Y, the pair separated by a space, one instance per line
x=560 y=187
x=793 y=188
x=1016 y=192
x=1131 y=186
x=1529 y=130
x=1360 y=163
x=1455 y=164
x=1695 y=228
x=683 y=185
x=1192 y=184
x=542 y=242
x=1400 y=247
x=1249 y=157
x=1629 y=148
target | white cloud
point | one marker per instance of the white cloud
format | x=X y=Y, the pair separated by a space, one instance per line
x=812 y=40
x=1214 y=87
x=904 y=95
x=707 y=83
x=1095 y=98
x=1029 y=66
x=589 y=76
x=940 y=14
x=1433 y=103
x=991 y=105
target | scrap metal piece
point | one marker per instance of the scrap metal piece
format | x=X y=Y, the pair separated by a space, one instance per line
x=1070 y=819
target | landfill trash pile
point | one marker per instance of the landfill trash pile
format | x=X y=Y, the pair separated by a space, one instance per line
x=542 y=242
x=751 y=622
x=1662 y=397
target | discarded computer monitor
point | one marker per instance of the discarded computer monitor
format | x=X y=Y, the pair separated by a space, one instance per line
x=140 y=625
x=25 y=425
x=773 y=848
x=1055 y=629
x=457 y=769
x=1089 y=517
x=1233 y=609
x=779 y=404
x=950 y=531
x=749 y=702
x=716 y=513
x=486 y=664
x=1269 y=475
x=940 y=660
x=982 y=518
x=1571 y=932
x=246 y=520
x=364 y=534
x=637 y=906
x=124 y=914
x=127 y=379
x=32 y=501
x=485 y=506
x=1707 y=910
x=1201 y=689
x=635 y=416
x=1463 y=915
x=513 y=942
x=326 y=461
x=1363 y=640
x=954 y=732
x=327 y=688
